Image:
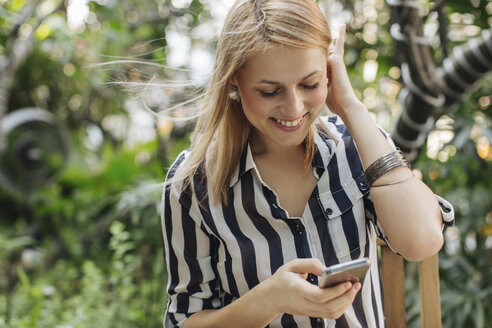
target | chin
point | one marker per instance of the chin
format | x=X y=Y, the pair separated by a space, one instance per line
x=292 y=142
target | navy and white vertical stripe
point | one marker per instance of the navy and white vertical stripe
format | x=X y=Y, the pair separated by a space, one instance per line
x=216 y=253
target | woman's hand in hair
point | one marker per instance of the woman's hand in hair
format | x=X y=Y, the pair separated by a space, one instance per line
x=341 y=98
x=290 y=292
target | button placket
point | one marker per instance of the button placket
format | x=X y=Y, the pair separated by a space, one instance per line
x=299 y=228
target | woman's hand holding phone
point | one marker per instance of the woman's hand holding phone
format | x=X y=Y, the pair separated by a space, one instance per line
x=288 y=291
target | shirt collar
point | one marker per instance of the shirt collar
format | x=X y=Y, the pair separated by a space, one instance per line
x=318 y=158
x=246 y=163
x=326 y=143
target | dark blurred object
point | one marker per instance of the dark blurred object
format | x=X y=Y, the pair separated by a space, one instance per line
x=429 y=91
x=34 y=147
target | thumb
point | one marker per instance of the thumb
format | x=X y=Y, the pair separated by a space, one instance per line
x=306 y=266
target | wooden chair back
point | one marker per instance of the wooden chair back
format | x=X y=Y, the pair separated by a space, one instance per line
x=393 y=276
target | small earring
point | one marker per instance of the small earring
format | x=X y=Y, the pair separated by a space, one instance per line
x=234 y=94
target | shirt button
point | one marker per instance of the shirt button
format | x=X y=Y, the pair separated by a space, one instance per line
x=363 y=185
x=329 y=211
x=312 y=278
x=319 y=322
x=299 y=228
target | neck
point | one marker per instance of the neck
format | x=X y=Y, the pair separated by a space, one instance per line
x=267 y=148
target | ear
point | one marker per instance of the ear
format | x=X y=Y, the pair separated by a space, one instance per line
x=233 y=80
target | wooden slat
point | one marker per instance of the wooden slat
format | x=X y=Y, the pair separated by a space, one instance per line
x=430 y=302
x=393 y=276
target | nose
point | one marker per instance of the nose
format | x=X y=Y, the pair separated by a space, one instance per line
x=294 y=104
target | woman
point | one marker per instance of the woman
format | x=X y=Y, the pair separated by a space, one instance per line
x=269 y=194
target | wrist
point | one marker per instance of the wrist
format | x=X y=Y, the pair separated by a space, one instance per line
x=256 y=308
x=265 y=295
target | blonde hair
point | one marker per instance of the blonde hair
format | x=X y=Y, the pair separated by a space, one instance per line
x=222 y=129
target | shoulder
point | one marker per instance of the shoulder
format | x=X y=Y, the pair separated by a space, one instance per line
x=333 y=120
x=331 y=127
x=334 y=127
x=175 y=182
x=178 y=162
x=184 y=179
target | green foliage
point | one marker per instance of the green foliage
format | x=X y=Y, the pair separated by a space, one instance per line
x=86 y=251
x=95 y=297
x=98 y=254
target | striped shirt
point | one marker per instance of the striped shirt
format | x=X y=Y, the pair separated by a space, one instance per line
x=216 y=253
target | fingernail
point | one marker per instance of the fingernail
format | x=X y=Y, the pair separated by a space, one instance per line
x=347 y=285
x=357 y=287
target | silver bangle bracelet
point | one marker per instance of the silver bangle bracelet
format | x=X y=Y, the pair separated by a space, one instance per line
x=383 y=165
x=394 y=182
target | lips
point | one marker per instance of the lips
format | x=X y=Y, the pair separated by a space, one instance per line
x=293 y=123
x=289 y=125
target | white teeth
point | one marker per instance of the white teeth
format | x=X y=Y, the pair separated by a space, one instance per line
x=289 y=123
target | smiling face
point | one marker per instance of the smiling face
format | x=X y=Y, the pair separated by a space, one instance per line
x=282 y=92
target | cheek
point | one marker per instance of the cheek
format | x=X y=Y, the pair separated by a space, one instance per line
x=255 y=105
x=318 y=96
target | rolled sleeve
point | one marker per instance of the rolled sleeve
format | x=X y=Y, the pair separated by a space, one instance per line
x=192 y=283
x=447 y=211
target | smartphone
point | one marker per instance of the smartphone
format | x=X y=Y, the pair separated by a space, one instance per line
x=352 y=271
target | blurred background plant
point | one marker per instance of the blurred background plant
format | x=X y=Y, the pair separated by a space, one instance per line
x=80 y=245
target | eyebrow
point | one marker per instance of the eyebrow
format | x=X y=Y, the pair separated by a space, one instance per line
x=304 y=78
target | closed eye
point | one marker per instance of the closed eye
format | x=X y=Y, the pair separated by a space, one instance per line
x=311 y=87
x=268 y=94
x=276 y=92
